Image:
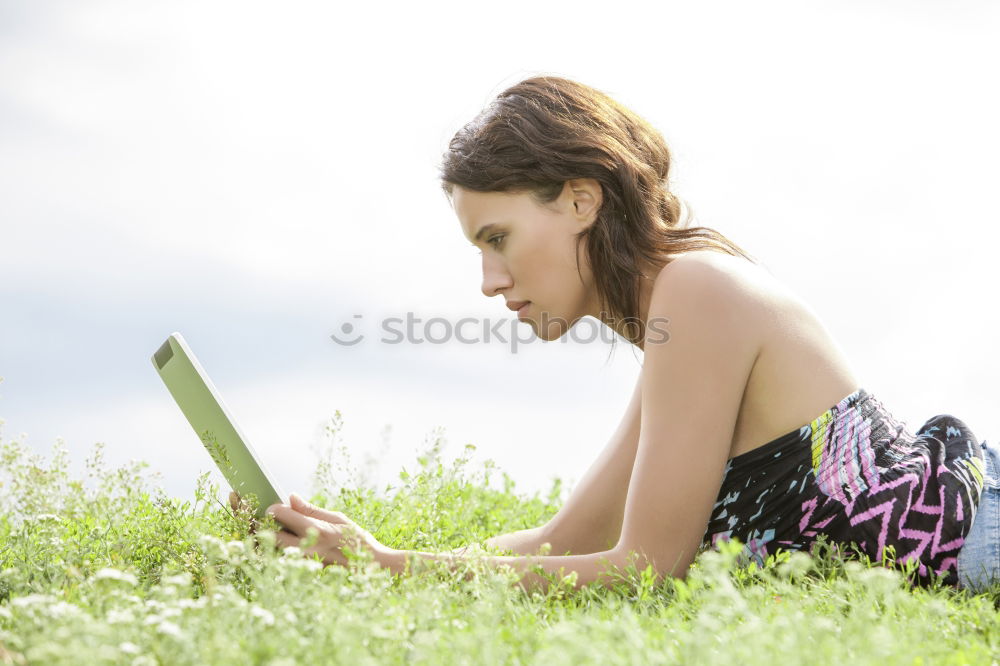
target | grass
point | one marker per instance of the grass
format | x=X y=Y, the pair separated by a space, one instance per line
x=107 y=569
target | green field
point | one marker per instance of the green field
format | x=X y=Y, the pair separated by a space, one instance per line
x=102 y=567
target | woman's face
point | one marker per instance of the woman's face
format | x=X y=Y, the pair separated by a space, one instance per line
x=529 y=251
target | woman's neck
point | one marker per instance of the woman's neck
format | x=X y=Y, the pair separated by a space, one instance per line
x=645 y=292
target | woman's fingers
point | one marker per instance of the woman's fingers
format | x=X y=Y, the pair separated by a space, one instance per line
x=293 y=521
x=314 y=511
x=286 y=539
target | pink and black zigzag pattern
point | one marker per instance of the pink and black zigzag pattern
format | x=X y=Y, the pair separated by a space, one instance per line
x=857 y=475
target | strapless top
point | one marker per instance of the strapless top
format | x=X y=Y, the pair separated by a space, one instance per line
x=860 y=477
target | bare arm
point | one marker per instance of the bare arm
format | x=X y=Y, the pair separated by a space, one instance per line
x=591 y=519
x=524 y=542
x=584 y=569
x=692 y=390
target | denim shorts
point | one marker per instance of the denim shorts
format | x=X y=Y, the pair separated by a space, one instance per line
x=979 y=558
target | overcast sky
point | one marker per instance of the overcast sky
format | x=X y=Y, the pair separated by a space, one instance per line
x=255 y=175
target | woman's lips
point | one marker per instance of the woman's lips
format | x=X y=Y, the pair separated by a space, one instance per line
x=523 y=310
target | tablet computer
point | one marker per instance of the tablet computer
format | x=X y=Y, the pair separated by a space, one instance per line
x=201 y=403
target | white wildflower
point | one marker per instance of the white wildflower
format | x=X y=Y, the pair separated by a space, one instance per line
x=115 y=574
x=213 y=546
x=31 y=600
x=209 y=540
x=116 y=616
x=169 y=628
x=266 y=616
x=4 y=613
x=241 y=602
x=129 y=648
x=302 y=563
x=235 y=547
x=63 y=609
x=181 y=579
x=192 y=603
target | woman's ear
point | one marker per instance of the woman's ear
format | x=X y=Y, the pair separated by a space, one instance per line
x=586 y=198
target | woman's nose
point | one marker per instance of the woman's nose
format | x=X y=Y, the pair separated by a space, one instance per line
x=495 y=275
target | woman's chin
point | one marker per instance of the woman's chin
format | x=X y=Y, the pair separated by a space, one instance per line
x=553 y=330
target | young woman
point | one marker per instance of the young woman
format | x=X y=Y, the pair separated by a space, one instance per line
x=746 y=422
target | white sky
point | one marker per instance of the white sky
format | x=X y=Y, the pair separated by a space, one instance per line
x=254 y=175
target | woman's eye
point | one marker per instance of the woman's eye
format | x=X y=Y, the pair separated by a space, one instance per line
x=497 y=238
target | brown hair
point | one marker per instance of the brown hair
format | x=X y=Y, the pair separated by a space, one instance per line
x=544 y=131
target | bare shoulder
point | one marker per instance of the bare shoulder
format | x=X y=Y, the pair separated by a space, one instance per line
x=799 y=369
x=738 y=271
x=725 y=284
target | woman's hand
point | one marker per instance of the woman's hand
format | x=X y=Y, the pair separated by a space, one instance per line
x=335 y=531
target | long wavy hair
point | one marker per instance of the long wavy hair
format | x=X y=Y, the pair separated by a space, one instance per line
x=544 y=131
